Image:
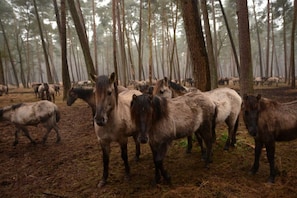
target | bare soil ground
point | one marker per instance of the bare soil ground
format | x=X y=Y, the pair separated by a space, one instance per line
x=73 y=167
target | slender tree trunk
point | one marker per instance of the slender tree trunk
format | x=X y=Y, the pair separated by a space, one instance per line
x=231 y=39
x=81 y=32
x=215 y=47
x=258 y=39
x=47 y=65
x=65 y=69
x=285 y=43
x=150 y=43
x=9 y=54
x=19 y=49
x=95 y=37
x=268 y=38
x=211 y=59
x=292 y=55
x=2 y=78
x=115 y=65
x=246 y=68
x=140 y=67
x=195 y=40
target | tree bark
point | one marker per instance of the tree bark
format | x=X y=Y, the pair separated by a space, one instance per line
x=246 y=68
x=195 y=39
x=292 y=56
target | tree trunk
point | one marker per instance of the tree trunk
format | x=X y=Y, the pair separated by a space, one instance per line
x=258 y=39
x=47 y=65
x=246 y=68
x=65 y=69
x=231 y=39
x=292 y=56
x=9 y=54
x=211 y=59
x=95 y=37
x=81 y=32
x=268 y=38
x=150 y=44
x=2 y=78
x=195 y=40
x=114 y=39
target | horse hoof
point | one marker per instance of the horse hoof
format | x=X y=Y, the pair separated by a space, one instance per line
x=101 y=184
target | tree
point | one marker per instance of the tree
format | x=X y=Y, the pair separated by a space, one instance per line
x=81 y=32
x=48 y=70
x=210 y=51
x=292 y=55
x=195 y=39
x=246 y=69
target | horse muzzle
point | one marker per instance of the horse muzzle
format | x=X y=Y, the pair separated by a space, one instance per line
x=143 y=139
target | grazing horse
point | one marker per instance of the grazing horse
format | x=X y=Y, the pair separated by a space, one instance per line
x=269 y=121
x=86 y=94
x=46 y=92
x=112 y=120
x=228 y=104
x=159 y=121
x=32 y=114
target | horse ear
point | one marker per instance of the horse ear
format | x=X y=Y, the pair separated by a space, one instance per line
x=258 y=96
x=112 y=77
x=93 y=77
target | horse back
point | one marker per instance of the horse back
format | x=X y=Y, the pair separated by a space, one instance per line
x=278 y=120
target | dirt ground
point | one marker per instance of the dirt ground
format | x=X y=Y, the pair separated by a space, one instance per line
x=73 y=167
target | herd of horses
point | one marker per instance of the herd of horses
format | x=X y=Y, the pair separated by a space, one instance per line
x=165 y=113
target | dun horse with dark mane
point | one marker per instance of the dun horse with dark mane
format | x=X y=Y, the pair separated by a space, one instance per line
x=112 y=120
x=227 y=100
x=159 y=121
x=269 y=121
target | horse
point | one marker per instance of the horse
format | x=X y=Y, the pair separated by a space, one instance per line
x=228 y=104
x=269 y=121
x=165 y=87
x=159 y=121
x=31 y=114
x=86 y=94
x=46 y=92
x=112 y=121
x=3 y=89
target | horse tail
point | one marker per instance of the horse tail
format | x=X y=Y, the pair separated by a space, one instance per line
x=236 y=125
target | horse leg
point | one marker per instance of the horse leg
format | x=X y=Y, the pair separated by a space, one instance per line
x=137 y=148
x=56 y=128
x=270 y=151
x=105 y=156
x=159 y=153
x=206 y=132
x=258 y=149
x=200 y=142
x=190 y=144
x=26 y=132
x=16 y=139
x=232 y=128
x=124 y=155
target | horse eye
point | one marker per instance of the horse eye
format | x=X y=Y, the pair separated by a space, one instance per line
x=109 y=93
x=161 y=91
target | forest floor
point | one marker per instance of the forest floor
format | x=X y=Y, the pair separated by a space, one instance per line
x=73 y=167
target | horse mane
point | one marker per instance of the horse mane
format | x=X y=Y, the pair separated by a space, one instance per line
x=160 y=107
x=176 y=86
x=103 y=82
x=82 y=91
x=144 y=102
x=266 y=103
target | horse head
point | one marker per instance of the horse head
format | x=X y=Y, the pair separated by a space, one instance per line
x=163 y=89
x=106 y=97
x=251 y=107
x=146 y=110
x=71 y=96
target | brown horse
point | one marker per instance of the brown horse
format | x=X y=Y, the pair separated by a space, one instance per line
x=160 y=121
x=269 y=121
x=112 y=120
